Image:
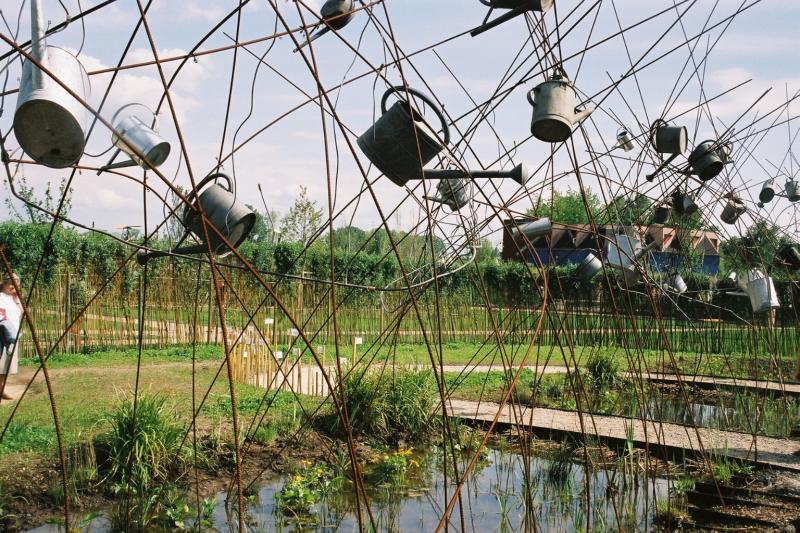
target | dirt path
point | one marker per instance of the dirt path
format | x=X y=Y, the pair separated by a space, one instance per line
x=779 y=453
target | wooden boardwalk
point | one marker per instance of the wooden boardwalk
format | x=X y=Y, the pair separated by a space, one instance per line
x=658 y=437
x=700 y=381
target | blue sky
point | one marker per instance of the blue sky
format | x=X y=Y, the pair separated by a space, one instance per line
x=760 y=44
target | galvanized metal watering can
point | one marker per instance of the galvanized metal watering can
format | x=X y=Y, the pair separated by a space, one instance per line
x=792 y=190
x=761 y=291
x=515 y=7
x=452 y=193
x=49 y=122
x=400 y=143
x=625 y=250
x=554 y=111
x=677 y=284
x=229 y=216
x=133 y=135
x=624 y=139
x=683 y=203
x=708 y=159
x=661 y=214
x=335 y=14
x=533 y=229
x=767 y=192
x=589 y=267
x=733 y=209
x=667 y=139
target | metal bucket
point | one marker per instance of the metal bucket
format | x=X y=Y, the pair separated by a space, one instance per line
x=708 y=159
x=733 y=210
x=140 y=136
x=232 y=218
x=554 y=112
x=391 y=143
x=661 y=214
x=767 y=192
x=792 y=190
x=761 y=291
x=589 y=267
x=49 y=123
x=624 y=139
x=668 y=139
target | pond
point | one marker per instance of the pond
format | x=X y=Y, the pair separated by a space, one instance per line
x=493 y=499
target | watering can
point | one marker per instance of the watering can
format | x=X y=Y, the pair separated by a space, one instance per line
x=133 y=135
x=589 y=267
x=335 y=14
x=452 y=193
x=789 y=256
x=792 y=190
x=624 y=139
x=733 y=209
x=48 y=121
x=533 y=229
x=708 y=159
x=625 y=250
x=229 y=216
x=661 y=214
x=399 y=144
x=668 y=139
x=677 y=284
x=683 y=203
x=767 y=192
x=515 y=7
x=761 y=291
x=554 y=111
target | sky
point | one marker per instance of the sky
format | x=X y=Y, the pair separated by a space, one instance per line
x=758 y=47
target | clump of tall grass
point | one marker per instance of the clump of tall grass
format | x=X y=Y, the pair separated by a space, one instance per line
x=143 y=456
x=391 y=407
x=602 y=370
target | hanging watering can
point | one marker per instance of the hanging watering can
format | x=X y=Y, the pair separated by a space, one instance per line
x=733 y=210
x=708 y=159
x=668 y=139
x=624 y=139
x=661 y=214
x=399 y=144
x=533 y=229
x=589 y=267
x=229 y=216
x=133 y=136
x=792 y=190
x=761 y=290
x=452 y=193
x=677 y=284
x=335 y=14
x=789 y=256
x=624 y=251
x=515 y=7
x=48 y=121
x=767 y=192
x=683 y=203
x=554 y=111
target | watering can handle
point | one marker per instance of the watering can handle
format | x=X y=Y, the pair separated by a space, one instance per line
x=205 y=181
x=530 y=98
x=658 y=123
x=401 y=90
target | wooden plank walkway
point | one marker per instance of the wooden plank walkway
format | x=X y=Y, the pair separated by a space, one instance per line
x=701 y=381
x=778 y=453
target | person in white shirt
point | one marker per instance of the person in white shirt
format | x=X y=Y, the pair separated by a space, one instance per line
x=10 y=318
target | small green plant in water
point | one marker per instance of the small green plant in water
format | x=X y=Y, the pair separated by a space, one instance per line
x=392 y=468
x=304 y=489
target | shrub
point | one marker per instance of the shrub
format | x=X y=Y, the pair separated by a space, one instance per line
x=602 y=370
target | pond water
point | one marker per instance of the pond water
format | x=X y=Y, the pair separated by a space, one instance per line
x=773 y=417
x=493 y=499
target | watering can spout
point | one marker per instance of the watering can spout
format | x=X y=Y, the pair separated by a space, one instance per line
x=313 y=37
x=580 y=116
x=143 y=256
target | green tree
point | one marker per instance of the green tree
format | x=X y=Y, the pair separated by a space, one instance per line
x=568 y=207
x=27 y=211
x=754 y=249
x=302 y=220
x=626 y=210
